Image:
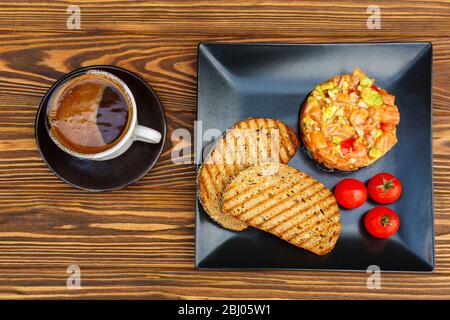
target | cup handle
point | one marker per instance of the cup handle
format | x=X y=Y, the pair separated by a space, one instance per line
x=145 y=134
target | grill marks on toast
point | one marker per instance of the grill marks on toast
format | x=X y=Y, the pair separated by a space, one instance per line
x=232 y=153
x=297 y=230
x=283 y=135
x=288 y=229
x=287 y=203
x=264 y=196
x=277 y=220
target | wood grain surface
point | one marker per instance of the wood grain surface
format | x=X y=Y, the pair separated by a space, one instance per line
x=139 y=242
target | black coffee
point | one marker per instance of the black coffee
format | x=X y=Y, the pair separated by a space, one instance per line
x=89 y=113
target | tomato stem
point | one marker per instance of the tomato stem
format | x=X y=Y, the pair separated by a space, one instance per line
x=387 y=184
x=385 y=221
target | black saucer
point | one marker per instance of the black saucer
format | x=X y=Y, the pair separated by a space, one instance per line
x=110 y=174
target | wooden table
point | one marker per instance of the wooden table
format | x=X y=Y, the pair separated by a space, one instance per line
x=139 y=242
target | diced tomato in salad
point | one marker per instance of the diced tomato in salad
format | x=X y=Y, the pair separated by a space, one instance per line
x=347 y=146
x=384 y=127
x=374 y=87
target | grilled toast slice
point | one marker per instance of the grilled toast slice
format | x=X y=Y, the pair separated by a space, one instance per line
x=287 y=203
x=251 y=141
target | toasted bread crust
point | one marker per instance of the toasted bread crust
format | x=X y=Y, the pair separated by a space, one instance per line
x=232 y=153
x=287 y=203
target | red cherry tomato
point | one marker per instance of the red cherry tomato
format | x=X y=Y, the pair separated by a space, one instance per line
x=382 y=222
x=384 y=188
x=350 y=193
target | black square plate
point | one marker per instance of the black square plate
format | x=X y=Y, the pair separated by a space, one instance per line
x=236 y=81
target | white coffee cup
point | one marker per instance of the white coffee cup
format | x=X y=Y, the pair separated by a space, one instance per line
x=134 y=131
